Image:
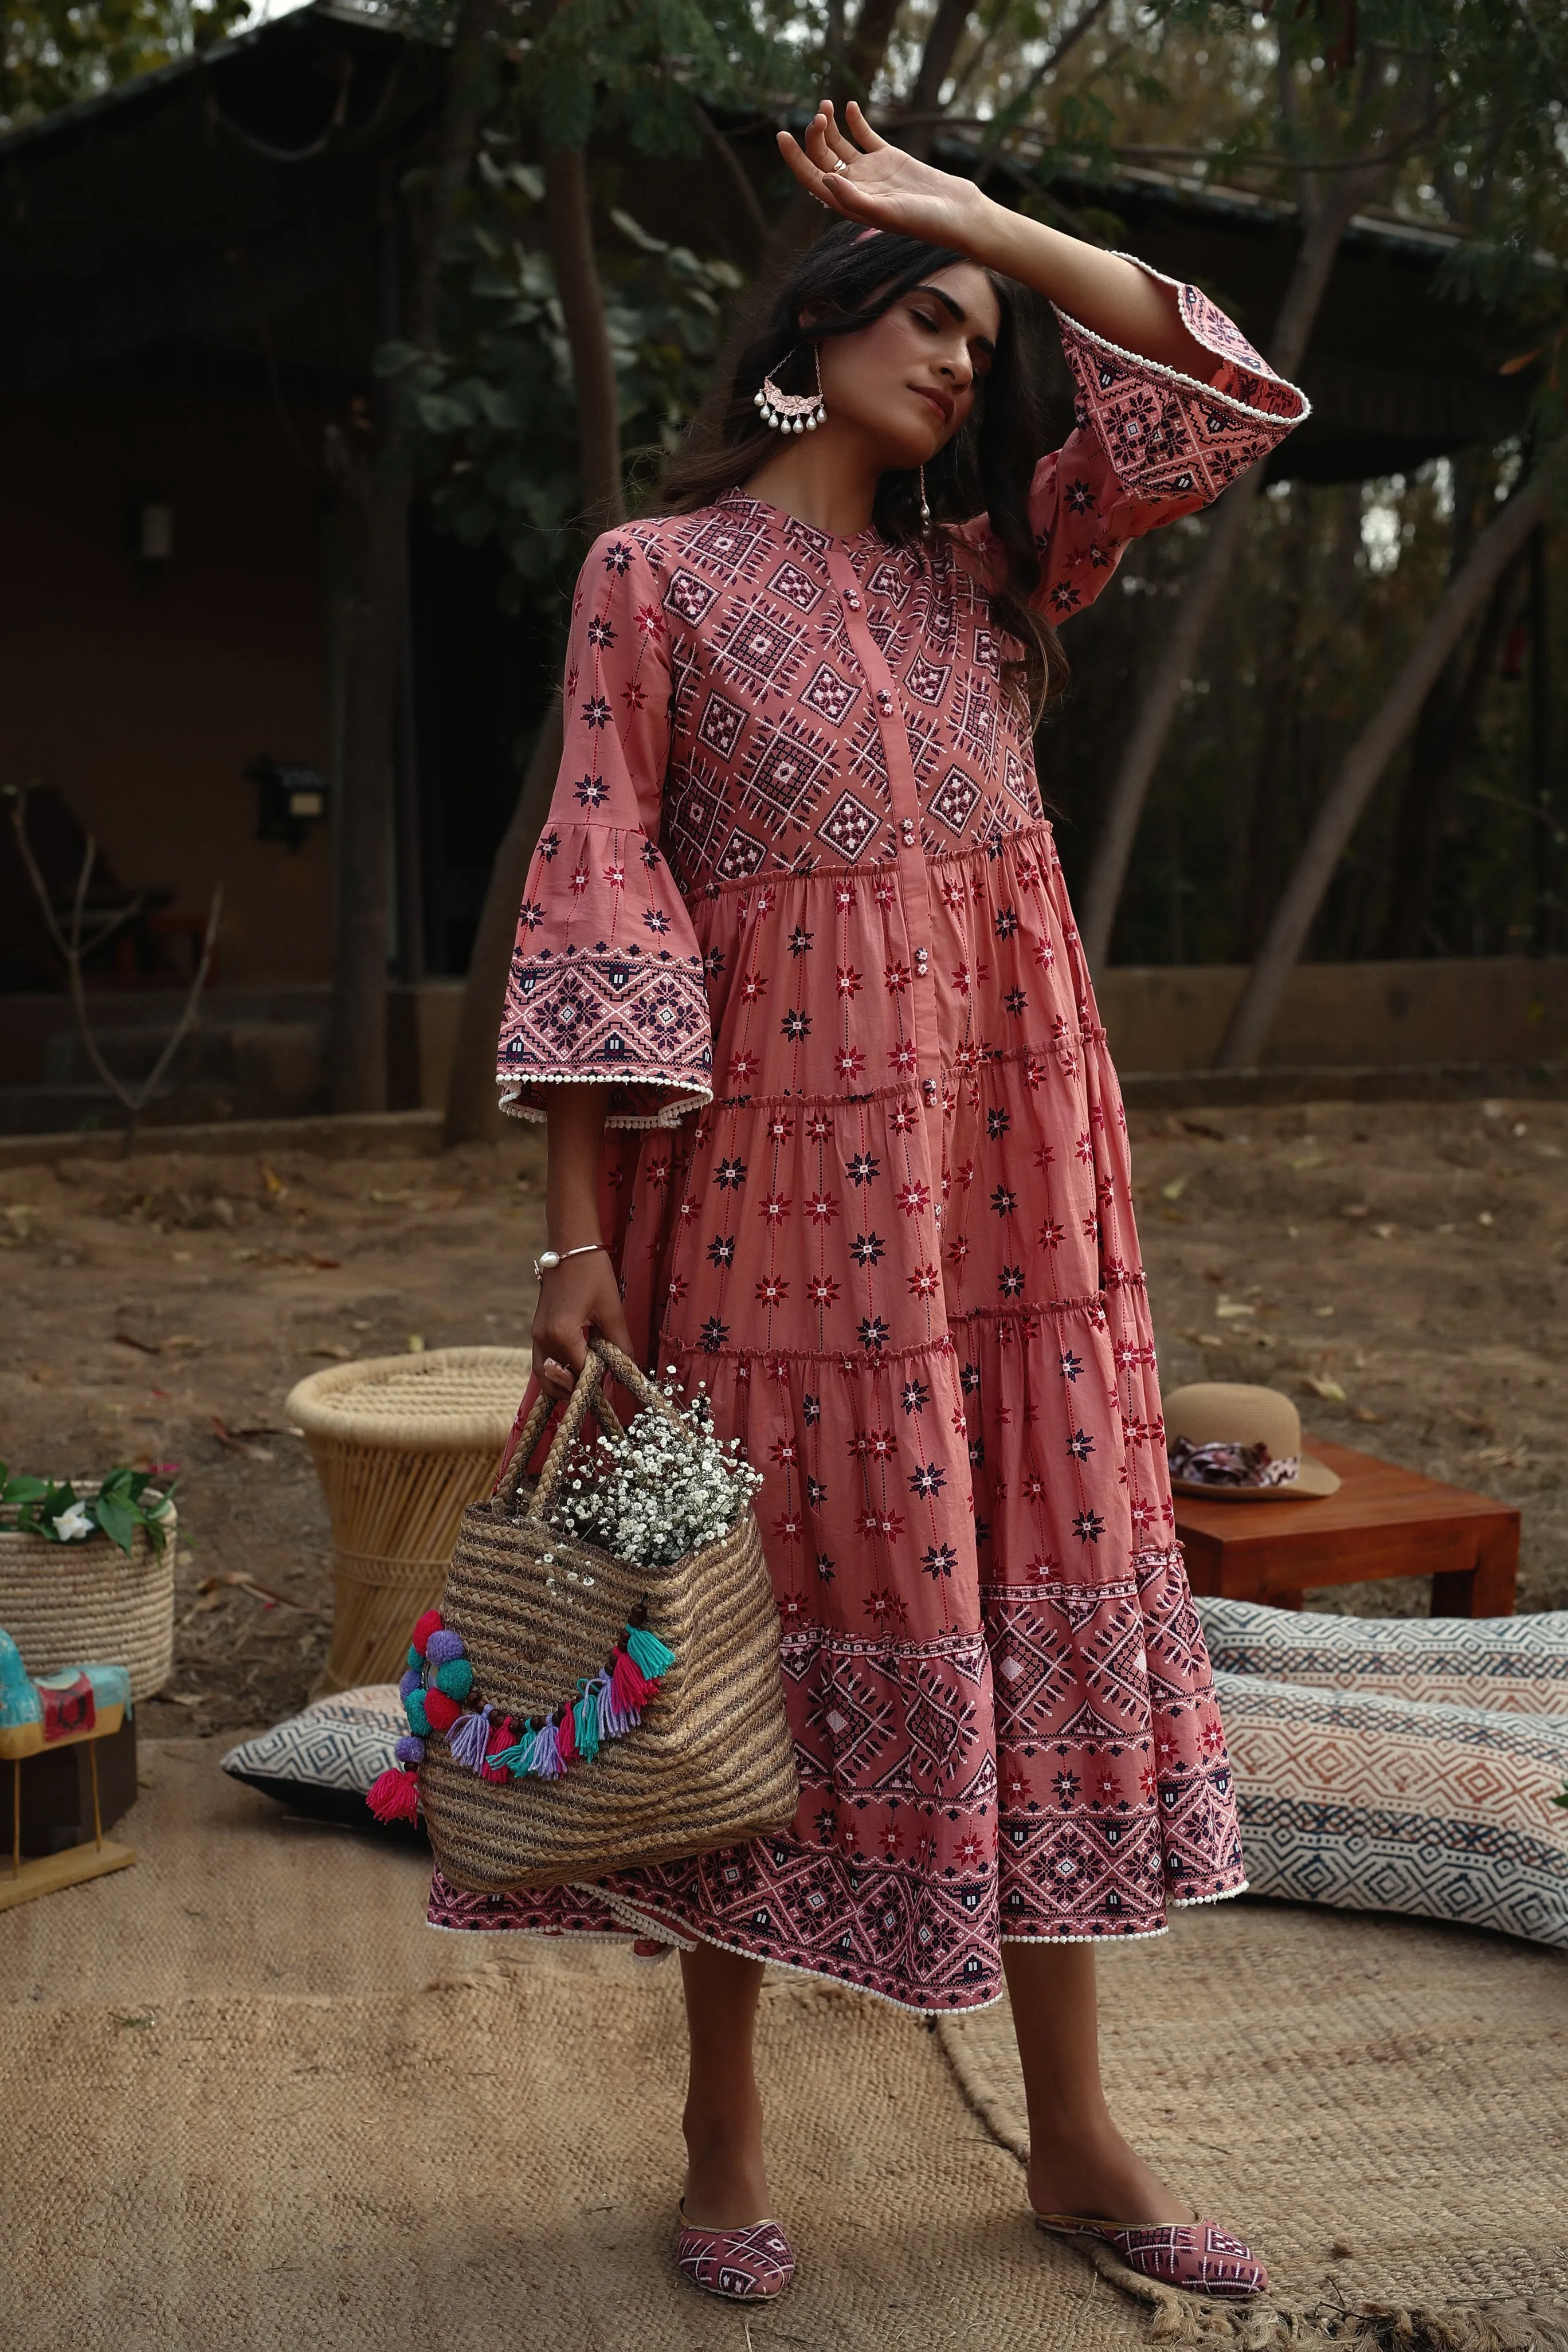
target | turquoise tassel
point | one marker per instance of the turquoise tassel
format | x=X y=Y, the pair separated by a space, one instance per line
x=651 y=1656
x=514 y=1759
x=585 y=1721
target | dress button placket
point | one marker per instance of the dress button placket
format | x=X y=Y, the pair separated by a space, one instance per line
x=914 y=879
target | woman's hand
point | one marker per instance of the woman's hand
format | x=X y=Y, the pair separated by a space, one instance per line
x=575 y=1297
x=882 y=187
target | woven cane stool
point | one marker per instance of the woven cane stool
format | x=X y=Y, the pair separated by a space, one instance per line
x=400 y=1443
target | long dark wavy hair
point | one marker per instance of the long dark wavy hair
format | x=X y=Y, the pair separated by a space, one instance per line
x=847 y=281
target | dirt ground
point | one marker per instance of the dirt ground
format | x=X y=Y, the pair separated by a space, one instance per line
x=1400 y=1269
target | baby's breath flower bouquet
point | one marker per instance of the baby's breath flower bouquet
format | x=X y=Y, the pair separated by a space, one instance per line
x=658 y=1491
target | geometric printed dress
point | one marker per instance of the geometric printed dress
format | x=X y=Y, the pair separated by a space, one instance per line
x=865 y=1173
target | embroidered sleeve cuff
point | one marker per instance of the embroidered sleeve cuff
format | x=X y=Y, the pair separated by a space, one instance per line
x=1167 y=436
x=630 y=1018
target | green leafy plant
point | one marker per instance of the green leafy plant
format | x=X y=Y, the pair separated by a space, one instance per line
x=124 y=1500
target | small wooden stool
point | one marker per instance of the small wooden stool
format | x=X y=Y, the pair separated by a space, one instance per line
x=400 y=1443
x=1382 y=1522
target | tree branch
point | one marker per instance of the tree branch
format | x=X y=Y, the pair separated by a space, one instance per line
x=739 y=177
x=132 y=1100
x=570 y=226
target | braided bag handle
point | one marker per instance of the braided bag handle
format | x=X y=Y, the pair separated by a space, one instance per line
x=602 y=1356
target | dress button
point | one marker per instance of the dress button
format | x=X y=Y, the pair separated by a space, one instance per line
x=907 y=827
x=930 y=1086
x=921 y=960
x=851 y=598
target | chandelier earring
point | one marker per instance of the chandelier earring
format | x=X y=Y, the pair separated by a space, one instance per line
x=793 y=411
x=925 y=509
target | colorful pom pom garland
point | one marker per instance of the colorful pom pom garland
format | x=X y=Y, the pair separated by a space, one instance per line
x=440 y=1678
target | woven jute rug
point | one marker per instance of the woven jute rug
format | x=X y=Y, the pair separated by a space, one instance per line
x=1378 y=2105
x=253 y=2105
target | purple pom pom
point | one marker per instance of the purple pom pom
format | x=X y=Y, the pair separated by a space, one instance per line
x=410 y=1750
x=442 y=1648
x=412 y=1681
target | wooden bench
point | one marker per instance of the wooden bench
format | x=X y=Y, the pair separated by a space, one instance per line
x=1382 y=1522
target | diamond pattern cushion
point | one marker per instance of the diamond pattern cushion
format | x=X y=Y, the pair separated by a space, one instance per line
x=1375 y=1804
x=1506 y=1664
x=322 y=1762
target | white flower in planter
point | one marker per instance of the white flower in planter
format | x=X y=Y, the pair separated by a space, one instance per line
x=74 y=1524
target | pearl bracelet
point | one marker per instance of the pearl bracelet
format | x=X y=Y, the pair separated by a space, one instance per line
x=548 y=1258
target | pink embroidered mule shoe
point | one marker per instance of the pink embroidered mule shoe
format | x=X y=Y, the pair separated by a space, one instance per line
x=745 y=2265
x=1197 y=2255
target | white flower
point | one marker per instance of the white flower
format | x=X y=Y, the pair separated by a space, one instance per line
x=73 y=1525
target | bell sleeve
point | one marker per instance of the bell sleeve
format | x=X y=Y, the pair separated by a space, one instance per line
x=1148 y=445
x=607 y=982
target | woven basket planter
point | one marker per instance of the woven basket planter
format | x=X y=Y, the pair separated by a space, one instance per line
x=400 y=1443
x=80 y=1604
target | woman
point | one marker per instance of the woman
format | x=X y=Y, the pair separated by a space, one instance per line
x=795 y=936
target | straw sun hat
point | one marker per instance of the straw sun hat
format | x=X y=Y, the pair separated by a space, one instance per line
x=1233 y=1444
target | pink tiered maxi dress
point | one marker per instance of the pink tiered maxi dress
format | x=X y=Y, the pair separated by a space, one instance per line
x=797 y=906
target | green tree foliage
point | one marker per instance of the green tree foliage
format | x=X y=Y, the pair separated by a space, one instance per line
x=491 y=424
x=55 y=52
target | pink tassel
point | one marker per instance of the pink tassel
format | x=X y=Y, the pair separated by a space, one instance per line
x=629 y=1687
x=394 y=1796
x=500 y=1737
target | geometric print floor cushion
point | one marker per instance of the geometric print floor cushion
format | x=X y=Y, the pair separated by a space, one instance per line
x=1375 y=1804
x=1503 y=1663
x=322 y=1762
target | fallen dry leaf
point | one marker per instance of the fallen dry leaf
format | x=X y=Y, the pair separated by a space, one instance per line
x=1227 y=1309
x=1173 y=1191
x=225 y=1436
x=1323 y=1384
x=237 y=1579
x=146 y=1346
x=340 y=1355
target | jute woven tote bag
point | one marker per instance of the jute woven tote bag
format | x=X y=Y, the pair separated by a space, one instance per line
x=706 y=1761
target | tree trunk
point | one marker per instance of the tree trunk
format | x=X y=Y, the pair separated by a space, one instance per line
x=472 y=1112
x=942 y=37
x=367 y=815
x=570 y=222
x=1256 y=853
x=1325 y=222
x=1446 y=736
x=1497 y=547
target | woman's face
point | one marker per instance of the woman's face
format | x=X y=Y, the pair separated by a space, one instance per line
x=910 y=380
